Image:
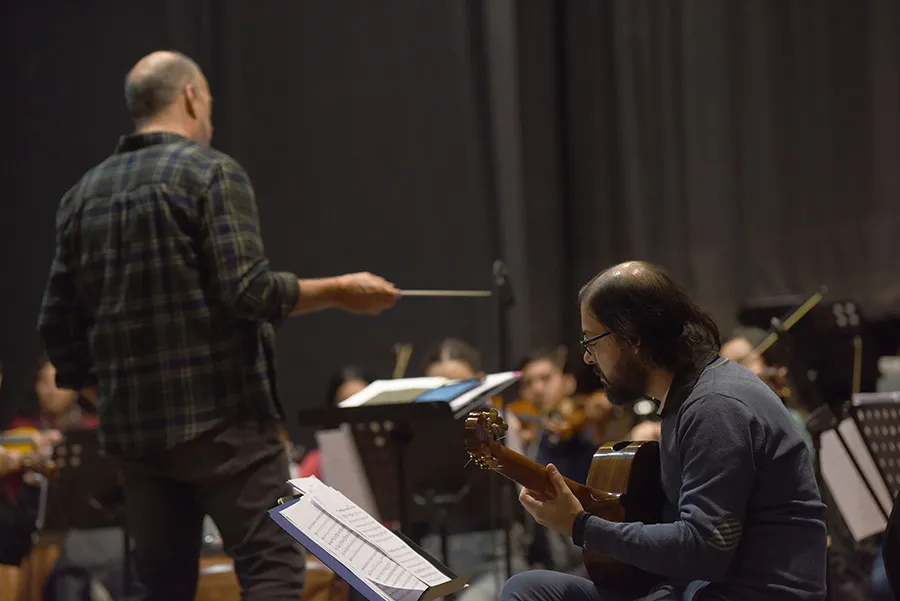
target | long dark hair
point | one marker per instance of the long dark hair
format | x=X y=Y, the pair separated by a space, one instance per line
x=641 y=304
x=347 y=373
x=453 y=349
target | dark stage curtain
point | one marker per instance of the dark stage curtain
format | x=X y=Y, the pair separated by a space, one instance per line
x=750 y=147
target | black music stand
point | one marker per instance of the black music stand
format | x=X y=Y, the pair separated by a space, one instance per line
x=822 y=347
x=87 y=492
x=877 y=416
x=412 y=453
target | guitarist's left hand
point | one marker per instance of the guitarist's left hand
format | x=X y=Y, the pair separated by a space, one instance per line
x=558 y=513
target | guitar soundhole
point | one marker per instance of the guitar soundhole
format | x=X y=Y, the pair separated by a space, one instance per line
x=621 y=445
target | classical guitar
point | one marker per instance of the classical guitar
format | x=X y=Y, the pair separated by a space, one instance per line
x=623 y=485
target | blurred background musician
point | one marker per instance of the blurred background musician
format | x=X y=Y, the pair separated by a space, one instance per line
x=349 y=380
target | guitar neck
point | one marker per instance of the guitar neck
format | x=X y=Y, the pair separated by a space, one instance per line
x=534 y=476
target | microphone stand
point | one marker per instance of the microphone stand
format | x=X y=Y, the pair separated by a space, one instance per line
x=505 y=300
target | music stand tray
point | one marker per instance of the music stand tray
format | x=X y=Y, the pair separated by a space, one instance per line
x=878 y=416
x=409 y=450
x=86 y=494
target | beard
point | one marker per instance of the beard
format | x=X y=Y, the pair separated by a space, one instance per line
x=630 y=382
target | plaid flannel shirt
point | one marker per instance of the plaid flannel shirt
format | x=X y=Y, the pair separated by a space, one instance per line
x=160 y=294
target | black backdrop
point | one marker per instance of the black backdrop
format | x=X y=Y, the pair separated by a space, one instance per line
x=751 y=147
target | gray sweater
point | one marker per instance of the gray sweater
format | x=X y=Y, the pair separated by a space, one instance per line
x=744 y=511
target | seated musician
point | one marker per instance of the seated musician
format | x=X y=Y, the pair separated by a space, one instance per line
x=561 y=435
x=45 y=405
x=740 y=349
x=453 y=359
x=20 y=494
x=349 y=380
x=473 y=551
x=743 y=517
x=558 y=426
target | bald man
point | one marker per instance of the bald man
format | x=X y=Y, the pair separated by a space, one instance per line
x=161 y=306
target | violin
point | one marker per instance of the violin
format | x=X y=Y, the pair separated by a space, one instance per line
x=564 y=422
x=34 y=460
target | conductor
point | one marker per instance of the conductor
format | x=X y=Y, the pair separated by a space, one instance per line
x=161 y=307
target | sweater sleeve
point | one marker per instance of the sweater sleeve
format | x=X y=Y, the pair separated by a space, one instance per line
x=716 y=446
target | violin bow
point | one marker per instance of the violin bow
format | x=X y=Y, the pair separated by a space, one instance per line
x=790 y=321
x=403 y=352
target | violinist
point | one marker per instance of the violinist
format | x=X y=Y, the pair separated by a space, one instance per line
x=20 y=488
x=556 y=427
x=740 y=349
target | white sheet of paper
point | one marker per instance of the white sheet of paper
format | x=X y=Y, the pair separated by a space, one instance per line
x=347 y=513
x=307 y=485
x=379 y=386
x=857 y=506
x=491 y=382
x=342 y=467
x=866 y=462
x=364 y=559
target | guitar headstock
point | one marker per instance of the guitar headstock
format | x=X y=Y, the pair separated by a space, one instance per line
x=483 y=432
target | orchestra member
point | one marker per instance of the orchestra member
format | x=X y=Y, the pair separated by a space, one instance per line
x=473 y=551
x=453 y=359
x=349 y=380
x=744 y=519
x=162 y=305
x=46 y=405
x=740 y=349
x=649 y=429
x=19 y=500
x=561 y=436
x=20 y=494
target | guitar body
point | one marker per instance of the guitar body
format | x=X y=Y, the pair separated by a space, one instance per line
x=632 y=470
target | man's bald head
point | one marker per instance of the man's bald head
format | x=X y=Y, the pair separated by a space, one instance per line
x=156 y=81
x=644 y=307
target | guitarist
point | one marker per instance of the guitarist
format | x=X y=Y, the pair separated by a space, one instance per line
x=744 y=520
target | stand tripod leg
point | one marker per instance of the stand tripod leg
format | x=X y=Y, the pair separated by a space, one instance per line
x=507 y=529
x=126 y=562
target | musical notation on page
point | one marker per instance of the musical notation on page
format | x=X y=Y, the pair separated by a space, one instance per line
x=383 y=566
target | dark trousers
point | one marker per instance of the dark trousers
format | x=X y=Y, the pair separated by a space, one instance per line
x=234 y=475
x=544 y=585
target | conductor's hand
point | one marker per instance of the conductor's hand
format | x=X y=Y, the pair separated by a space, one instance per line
x=558 y=513
x=365 y=293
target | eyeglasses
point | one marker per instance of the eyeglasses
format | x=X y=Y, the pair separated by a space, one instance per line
x=587 y=342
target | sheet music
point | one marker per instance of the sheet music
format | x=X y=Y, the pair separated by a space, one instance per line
x=342 y=509
x=866 y=462
x=379 y=386
x=359 y=555
x=856 y=504
x=342 y=467
x=491 y=383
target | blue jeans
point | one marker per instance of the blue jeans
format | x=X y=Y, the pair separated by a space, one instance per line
x=881 y=588
x=544 y=585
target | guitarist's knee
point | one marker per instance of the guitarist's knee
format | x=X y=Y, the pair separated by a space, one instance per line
x=546 y=585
